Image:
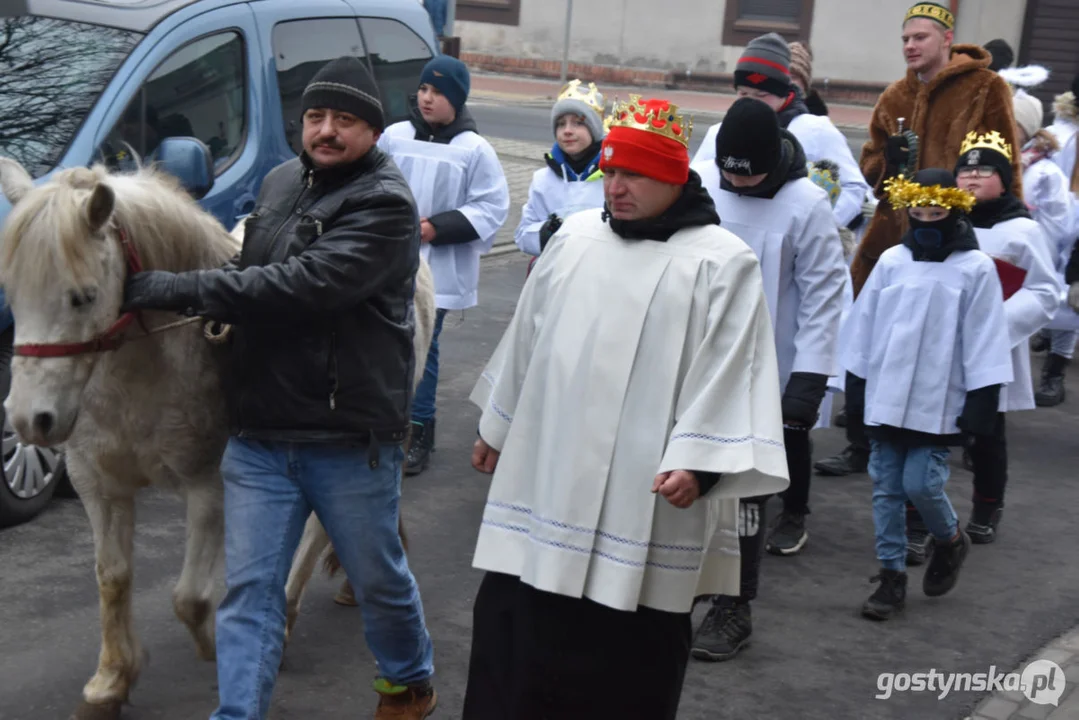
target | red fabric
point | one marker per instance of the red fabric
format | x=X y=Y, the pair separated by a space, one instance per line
x=1011 y=277
x=645 y=153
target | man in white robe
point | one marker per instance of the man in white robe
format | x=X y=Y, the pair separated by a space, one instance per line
x=633 y=399
x=463 y=200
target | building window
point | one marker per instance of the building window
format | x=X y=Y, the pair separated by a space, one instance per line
x=503 y=12
x=747 y=19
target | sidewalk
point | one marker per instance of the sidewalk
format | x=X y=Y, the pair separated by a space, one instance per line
x=1013 y=705
x=705 y=107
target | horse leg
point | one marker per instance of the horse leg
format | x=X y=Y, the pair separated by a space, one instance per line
x=313 y=542
x=119 y=662
x=191 y=598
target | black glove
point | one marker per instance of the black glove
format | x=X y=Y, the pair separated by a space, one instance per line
x=897 y=151
x=802 y=398
x=980 y=411
x=159 y=290
x=548 y=229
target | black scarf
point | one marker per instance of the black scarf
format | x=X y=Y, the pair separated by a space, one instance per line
x=797 y=106
x=961 y=238
x=693 y=208
x=792 y=165
x=990 y=212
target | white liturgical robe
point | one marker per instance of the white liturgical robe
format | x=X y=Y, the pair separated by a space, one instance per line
x=625 y=359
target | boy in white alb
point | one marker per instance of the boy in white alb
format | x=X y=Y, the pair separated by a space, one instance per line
x=926 y=350
x=571 y=179
x=1032 y=291
x=462 y=198
x=760 y=185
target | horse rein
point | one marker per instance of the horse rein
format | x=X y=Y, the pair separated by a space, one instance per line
x=112 y=338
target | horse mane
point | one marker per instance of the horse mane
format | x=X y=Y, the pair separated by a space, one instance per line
x=47 y=230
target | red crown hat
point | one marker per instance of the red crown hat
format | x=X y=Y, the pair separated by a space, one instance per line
x=648 y=137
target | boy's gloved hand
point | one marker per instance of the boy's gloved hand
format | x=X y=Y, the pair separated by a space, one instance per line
x=548 y=229
x=802 y=398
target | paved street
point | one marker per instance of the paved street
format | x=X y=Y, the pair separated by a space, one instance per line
x=812 y=655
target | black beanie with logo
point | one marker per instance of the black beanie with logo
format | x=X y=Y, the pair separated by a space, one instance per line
x=749 y=140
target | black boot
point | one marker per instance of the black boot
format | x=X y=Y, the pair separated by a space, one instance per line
x=725 y=630
x=1051 y=390
x=841 y=418
x=943 y=571
x=1040 y=342
x=420 y=447
x=919 y=540
x=889 y=597
x=852 y=460
x=984 y=519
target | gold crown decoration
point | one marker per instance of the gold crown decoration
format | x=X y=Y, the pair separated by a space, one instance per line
x=588 y=94
x=932 y=11
x=904 y=193
x=992 y=140
x=655 y=116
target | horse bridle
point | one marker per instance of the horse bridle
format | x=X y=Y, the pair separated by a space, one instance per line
x=111 y=339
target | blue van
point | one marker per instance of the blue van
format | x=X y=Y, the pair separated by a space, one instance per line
x=85 y=81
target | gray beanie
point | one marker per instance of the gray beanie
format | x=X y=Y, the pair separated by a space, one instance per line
x=765 y=65
x=584 y=101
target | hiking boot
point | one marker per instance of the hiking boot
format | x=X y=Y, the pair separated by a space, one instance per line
x=919 y=541
x=943 y=571
x=889 y=597
x=841 y=418
x=724 y=632
x=853 y=460
x=420 y=446
x=789 y=535
x=404 y=702
x=1039 y=343
x=984 y=519
x=1051 y=390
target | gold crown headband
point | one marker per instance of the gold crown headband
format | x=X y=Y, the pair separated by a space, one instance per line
x=655 y=116
x=933 y=12
x=904 y=193
x=588 y=94
x=992 y=140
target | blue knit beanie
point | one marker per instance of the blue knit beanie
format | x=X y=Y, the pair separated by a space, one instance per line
x=450 y=77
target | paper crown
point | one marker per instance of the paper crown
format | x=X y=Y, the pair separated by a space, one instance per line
x=904 y=193
x=588 y=94
x=654 y=116
x=992 y=140
x=932 y=11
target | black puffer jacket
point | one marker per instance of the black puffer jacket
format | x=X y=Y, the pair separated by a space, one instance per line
x=322 y=305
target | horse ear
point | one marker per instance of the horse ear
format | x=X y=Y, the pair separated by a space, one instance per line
x=99 y=206
x=14 y=180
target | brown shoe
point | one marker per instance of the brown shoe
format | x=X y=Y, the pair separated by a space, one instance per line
x=397 y=702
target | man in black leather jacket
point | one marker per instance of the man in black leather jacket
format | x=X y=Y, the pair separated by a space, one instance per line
x=319 y=394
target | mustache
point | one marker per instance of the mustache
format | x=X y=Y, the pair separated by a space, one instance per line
x=331 y=144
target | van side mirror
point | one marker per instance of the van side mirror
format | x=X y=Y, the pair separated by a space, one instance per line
x=189 y=161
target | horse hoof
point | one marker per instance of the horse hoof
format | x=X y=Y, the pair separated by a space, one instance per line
x=345 y=596
x=108 y=710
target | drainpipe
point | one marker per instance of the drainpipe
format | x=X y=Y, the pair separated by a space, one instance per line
x=955 y=10
x=565 y=44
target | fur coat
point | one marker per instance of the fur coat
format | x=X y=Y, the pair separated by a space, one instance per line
x=964 y=96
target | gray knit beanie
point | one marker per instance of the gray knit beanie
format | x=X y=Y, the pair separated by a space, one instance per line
x=765 y=65
x=585 y=101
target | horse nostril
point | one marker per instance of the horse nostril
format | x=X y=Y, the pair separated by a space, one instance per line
x=43 y=422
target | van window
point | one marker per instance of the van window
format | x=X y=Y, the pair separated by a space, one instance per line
x=198 y=91
x=397 y=55
x=301 y=48
x=51 y=75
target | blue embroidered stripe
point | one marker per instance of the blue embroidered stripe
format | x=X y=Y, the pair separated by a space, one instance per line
x=586 y=551
x=727 y=440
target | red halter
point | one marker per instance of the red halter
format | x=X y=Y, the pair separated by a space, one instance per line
x=108 y=340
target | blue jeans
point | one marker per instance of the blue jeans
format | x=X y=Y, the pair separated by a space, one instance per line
x=919 y=473
x=437 y=10
x=270 y=489
x=423 y=405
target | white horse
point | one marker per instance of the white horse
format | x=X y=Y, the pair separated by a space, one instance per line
x=135 y=399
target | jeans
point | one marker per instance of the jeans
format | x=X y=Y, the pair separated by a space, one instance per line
x=423 y=405
x=900 y=472
x=437 y=10
x=270 y=489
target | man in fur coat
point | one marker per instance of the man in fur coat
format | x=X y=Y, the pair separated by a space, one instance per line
x=948 y=92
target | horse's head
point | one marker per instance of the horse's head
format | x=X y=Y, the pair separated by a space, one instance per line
x=62 y=267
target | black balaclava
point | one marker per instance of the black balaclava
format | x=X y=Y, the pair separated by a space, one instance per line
x=936 y=240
